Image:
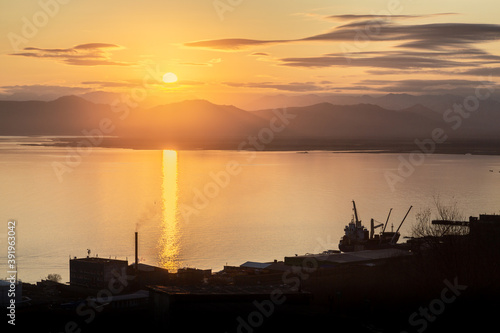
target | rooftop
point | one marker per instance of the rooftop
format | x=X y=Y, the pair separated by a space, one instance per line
x=354 y=257
x=212 y=290
x=99 y=260
x=257 y=265
x=140 y=294
x=147 y=268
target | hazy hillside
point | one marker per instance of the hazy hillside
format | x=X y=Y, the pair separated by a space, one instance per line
x=201 y=121
x=67 y=115
x=437 y=103
x=191 y=119
x=362 y=121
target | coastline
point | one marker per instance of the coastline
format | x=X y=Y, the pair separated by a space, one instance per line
x=455 y=147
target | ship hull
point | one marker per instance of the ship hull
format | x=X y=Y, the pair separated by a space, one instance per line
x=386 y=240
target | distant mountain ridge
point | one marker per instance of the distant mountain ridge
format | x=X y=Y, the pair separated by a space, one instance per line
x=438 y=103
x=67 y=115
x=361 y=121
x=202 y=121
x=191 y=119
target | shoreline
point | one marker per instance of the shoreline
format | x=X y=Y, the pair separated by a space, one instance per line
x=455 y=147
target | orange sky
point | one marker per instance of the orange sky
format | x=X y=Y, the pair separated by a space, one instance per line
x=230 y=50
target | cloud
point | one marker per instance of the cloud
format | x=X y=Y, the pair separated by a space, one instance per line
x=371 y=17
x=91 y=54
x=428 y=86
x=291 y=87
x=232 y=43
x=436 y=36
x=382 y=16
x=194 y=64
x=38 y=92
x=486 y=71
x=440 y=36
x=264 y=54
x=90 y=46
x=112 y=84
x=396 y=60
x=190 y=83
x=209 y=63
x=138 y=83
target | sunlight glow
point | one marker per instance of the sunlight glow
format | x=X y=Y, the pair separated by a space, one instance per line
x=169 y=256
x=169 y=78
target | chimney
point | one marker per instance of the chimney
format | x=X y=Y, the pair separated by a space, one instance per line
x=136 y=252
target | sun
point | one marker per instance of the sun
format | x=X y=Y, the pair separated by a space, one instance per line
x=169 y=78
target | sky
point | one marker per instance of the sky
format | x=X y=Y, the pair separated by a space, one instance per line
x=227 y=51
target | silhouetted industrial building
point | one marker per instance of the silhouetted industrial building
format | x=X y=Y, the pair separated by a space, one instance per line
x=94 y=272
x=148 y=275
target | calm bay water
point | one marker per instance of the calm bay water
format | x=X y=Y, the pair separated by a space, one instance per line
x=206 y=209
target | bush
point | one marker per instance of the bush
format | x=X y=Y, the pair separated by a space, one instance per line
x=54 y=277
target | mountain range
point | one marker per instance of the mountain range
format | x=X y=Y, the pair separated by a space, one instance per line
x=206 y=125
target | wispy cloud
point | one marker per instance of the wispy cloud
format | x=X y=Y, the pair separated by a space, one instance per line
x=91 y=54
x=368 y=17
x=137 y=83
x=400 y=60
x=449 y=47
x=232 y=43
x=112 y=84
x=39 y=91
x=190 y=83
x=486 y=71
x=350 y=17
x=428 y=86
x=290 y=87
x=436 y=36
x=209 y=63
x=382 y=61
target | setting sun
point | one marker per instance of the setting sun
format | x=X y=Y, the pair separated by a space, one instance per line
x=169 y=78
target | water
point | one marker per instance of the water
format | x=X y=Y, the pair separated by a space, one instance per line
x=206 y=209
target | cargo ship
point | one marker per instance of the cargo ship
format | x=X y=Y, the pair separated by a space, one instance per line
x=358 y=238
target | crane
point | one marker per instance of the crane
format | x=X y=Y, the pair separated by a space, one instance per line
x=397 y=230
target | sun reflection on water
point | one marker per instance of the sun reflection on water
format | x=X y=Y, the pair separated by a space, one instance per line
x=169 y=247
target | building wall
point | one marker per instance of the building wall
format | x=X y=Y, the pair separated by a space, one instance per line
x=94 y=272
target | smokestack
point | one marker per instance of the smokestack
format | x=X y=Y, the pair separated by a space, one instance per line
x=136 y=252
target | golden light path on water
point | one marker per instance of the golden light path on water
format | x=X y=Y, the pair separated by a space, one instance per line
x=169 y=246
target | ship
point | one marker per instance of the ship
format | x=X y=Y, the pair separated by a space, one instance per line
x=358 y=238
